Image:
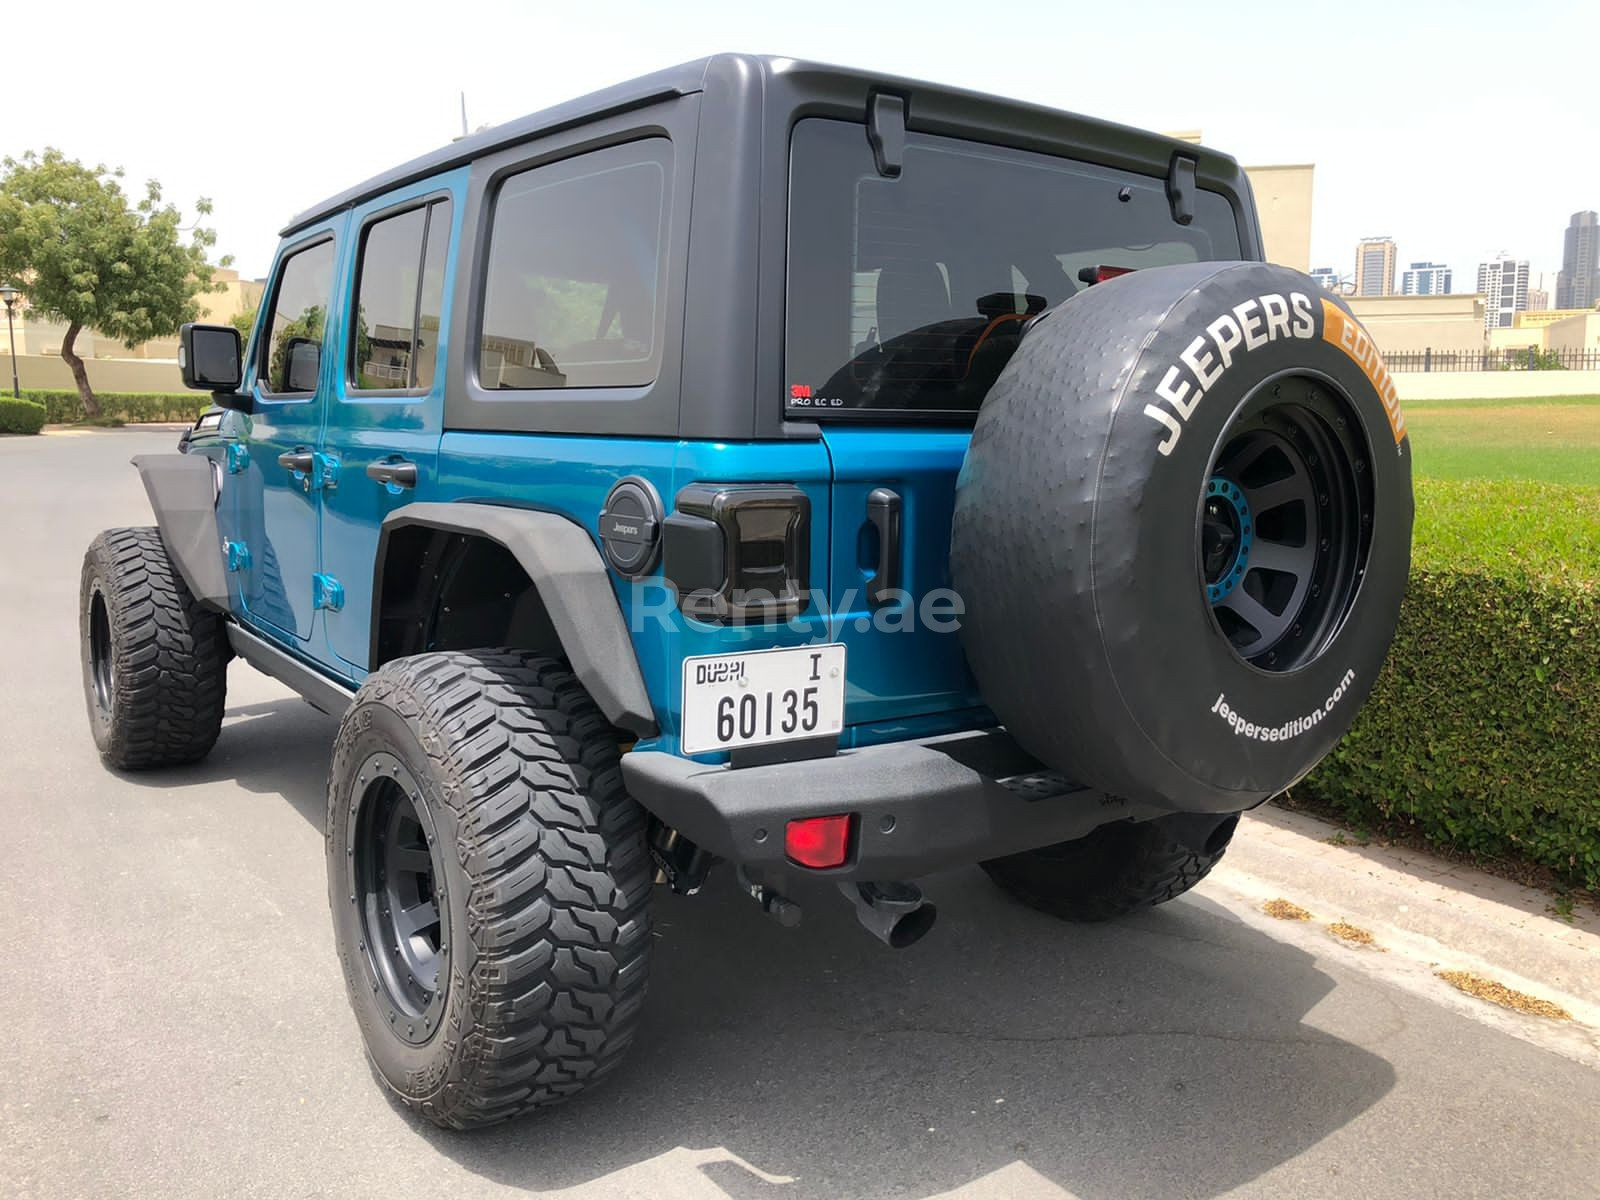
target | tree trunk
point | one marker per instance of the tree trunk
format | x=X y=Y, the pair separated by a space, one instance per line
x=80 y=375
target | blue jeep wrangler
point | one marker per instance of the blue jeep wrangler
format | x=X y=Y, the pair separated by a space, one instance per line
x=837 y=477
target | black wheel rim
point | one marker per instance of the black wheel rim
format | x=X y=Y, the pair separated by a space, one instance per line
x=100 y=662
x=397 y=888
x=1286 y=522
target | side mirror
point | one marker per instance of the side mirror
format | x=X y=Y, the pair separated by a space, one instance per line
x=210 y=357
x=304 y=357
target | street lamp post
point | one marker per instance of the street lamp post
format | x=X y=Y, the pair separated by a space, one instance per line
x=9 y=295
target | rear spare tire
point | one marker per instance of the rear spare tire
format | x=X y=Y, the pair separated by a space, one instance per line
x=1182 y=533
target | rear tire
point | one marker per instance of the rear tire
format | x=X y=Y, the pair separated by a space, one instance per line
x=1118 y=869
x=489 y=883
x=154 y=658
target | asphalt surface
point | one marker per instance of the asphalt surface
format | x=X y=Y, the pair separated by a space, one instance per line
x=175 y=1025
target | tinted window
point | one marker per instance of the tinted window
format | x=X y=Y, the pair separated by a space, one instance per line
x=909 y=294
x=576 y=267
x=399 y=292
x=299 y=316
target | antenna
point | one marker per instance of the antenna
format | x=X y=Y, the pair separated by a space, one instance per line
x=463 y=114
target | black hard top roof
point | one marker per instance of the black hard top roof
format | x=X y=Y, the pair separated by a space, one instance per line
x=682 y=80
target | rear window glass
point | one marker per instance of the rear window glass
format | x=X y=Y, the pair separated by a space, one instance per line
x=907 y=295
x=575 y=272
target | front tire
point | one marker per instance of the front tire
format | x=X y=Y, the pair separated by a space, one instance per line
x=489 y=883
x=155 y=660
x=1118 y=869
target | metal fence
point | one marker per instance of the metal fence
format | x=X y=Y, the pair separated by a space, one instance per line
x=1493 y=360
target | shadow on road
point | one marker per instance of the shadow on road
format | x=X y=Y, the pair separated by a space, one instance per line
x=1165 y=1055
x=274 y=747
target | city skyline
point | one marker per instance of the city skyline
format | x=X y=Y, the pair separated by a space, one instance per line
x=1425 y=277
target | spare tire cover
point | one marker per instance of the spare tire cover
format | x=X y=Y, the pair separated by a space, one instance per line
x=1182 y=532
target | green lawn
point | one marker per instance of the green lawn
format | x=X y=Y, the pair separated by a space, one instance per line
x=1508 y=487
x=1551 y=440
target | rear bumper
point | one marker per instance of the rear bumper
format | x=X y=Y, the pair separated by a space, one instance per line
x=920 y=806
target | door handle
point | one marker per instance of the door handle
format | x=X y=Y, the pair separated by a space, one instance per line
x=298 y=461
x=393 y=473
x=884 y=512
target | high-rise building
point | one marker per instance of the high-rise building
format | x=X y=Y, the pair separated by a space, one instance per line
x=1375 y=267
x=1578 y=285
x=1425 y=279
x=1504 y=285
x=1327 y=278
x=1538 y=299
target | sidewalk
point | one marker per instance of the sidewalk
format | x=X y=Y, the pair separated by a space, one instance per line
x=1442 y=914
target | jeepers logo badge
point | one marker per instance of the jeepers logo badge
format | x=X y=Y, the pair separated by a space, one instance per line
x=1346 y=333
x=1247 y=326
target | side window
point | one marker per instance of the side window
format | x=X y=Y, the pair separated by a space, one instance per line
x=576 y=269
x=291 y=353
x=399 y=293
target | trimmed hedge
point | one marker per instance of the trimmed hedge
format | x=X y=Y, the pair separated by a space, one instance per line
x=20 y=416
x=65 y=408
x=1483 y=730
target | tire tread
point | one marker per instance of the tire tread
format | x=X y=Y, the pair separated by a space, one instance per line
x=559 y=878
x=170 y=651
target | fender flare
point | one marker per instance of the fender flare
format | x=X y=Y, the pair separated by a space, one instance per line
x=565 y=568
x=183 y=494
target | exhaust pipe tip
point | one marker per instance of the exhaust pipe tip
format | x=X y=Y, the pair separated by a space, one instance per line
x=896 y=914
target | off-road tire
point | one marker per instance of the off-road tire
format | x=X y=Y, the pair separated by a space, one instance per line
x=1117 y=869
x=541 y=883
x=154 y=658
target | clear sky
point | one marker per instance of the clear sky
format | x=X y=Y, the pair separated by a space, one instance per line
x=1461 y=129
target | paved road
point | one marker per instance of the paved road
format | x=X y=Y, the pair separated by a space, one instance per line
x=175 y=1025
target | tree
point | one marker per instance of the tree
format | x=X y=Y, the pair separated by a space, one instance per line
x=308 y=327
x=244 y=322
x=85 y=255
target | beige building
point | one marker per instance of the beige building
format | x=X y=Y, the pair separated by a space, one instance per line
x=1538 y=318
x=1578 y=333
x=1563 y=329
x=1375 y=266
x=1450 y=324
x=1518 y=337
x=1283 y=198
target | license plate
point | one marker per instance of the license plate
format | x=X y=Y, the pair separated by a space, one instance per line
x=762 y=696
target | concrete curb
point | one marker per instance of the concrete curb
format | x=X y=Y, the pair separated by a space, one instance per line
x=1447 y=914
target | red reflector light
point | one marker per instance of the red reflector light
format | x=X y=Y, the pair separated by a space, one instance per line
x=1102 y=273
x=818 y=842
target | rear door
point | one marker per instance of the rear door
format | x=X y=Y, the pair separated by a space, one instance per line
x=906 y=297
x=385 y=414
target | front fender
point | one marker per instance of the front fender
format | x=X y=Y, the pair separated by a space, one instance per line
x=183 y=493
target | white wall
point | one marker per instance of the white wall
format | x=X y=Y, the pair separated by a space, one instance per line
x=1494 y=385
